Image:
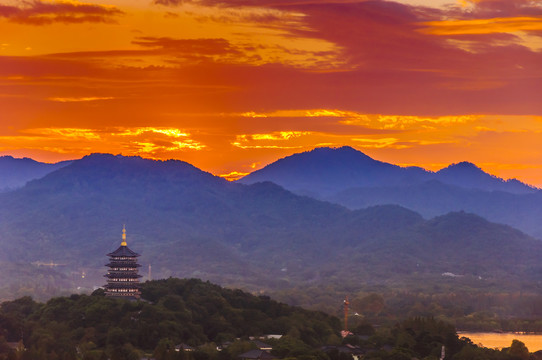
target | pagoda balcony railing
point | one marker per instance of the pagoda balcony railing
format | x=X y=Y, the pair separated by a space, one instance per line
x=127 y=294
x=122 y=264
x=116 y=274
x=120 y=285
x=116 y=280
x=136 y=291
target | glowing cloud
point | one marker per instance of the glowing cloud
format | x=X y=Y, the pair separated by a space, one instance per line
x=482 y=26
x=378 y=143
x=172 y=132
x=68 y=133
x=281 y=135
x=149 y=140
x=79 y=99
x=405 y=122
x=158 y=143
x=151 y=149
x=269 y=141
x=234 y=175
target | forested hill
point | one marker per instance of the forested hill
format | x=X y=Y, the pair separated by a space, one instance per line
x=175 y=311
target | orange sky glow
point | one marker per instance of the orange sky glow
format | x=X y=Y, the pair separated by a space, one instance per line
x=232 y=85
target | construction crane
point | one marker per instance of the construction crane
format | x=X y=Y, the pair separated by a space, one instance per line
x=346 y=303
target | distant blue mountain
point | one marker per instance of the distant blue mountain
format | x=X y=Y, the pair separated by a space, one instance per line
x=14 y=173
x=325 y=171
x=348 y=177
x=470 y=176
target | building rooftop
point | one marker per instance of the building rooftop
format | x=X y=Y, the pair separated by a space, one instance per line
x=123 y=250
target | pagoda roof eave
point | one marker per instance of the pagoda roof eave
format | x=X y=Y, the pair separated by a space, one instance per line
x=123 y=251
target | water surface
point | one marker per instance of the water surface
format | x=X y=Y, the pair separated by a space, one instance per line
x=502 y=340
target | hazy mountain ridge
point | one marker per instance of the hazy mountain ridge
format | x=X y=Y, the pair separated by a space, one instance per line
x=468 y=175
x=434 y=198
x=186 y=222
x=326 y=171
x=357 y=181
x=15 y=173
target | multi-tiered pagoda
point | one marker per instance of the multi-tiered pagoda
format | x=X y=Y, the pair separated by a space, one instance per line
x=122 y=276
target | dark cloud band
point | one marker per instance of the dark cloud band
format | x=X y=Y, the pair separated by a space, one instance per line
x=41 y=13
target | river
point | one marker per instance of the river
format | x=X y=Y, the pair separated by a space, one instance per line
x=501 y=340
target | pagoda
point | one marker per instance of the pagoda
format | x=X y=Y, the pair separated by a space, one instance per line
x=122 y=276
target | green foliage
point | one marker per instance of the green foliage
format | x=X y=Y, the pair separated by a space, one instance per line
x=289 y=346
x=238 y=347
x=172 y=311
x=471 y=352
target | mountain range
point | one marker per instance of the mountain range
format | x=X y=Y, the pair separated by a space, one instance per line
x=348 y=177
x=188 y=223
x=326 y=171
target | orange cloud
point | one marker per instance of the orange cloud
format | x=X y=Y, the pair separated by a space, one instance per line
x=394 y=143
x=66 y=133
x=147 y=141
x=188 y=46
x=152 y=149
x=482 y=26
x=265 y=141
x=39 y=12
x=234 y=175
x=79 y=99
x=172 y=132
x=281 y=135
x=378 y=143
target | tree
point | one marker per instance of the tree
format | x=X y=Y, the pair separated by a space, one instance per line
x=165 y=350
x=518 y=350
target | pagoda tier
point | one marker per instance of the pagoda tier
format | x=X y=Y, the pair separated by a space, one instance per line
x=122 y=276
x=118 y=264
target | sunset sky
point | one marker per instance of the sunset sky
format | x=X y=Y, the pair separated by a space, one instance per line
x=232 y=85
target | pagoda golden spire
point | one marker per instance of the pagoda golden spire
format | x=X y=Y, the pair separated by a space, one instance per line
x=123 y=243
